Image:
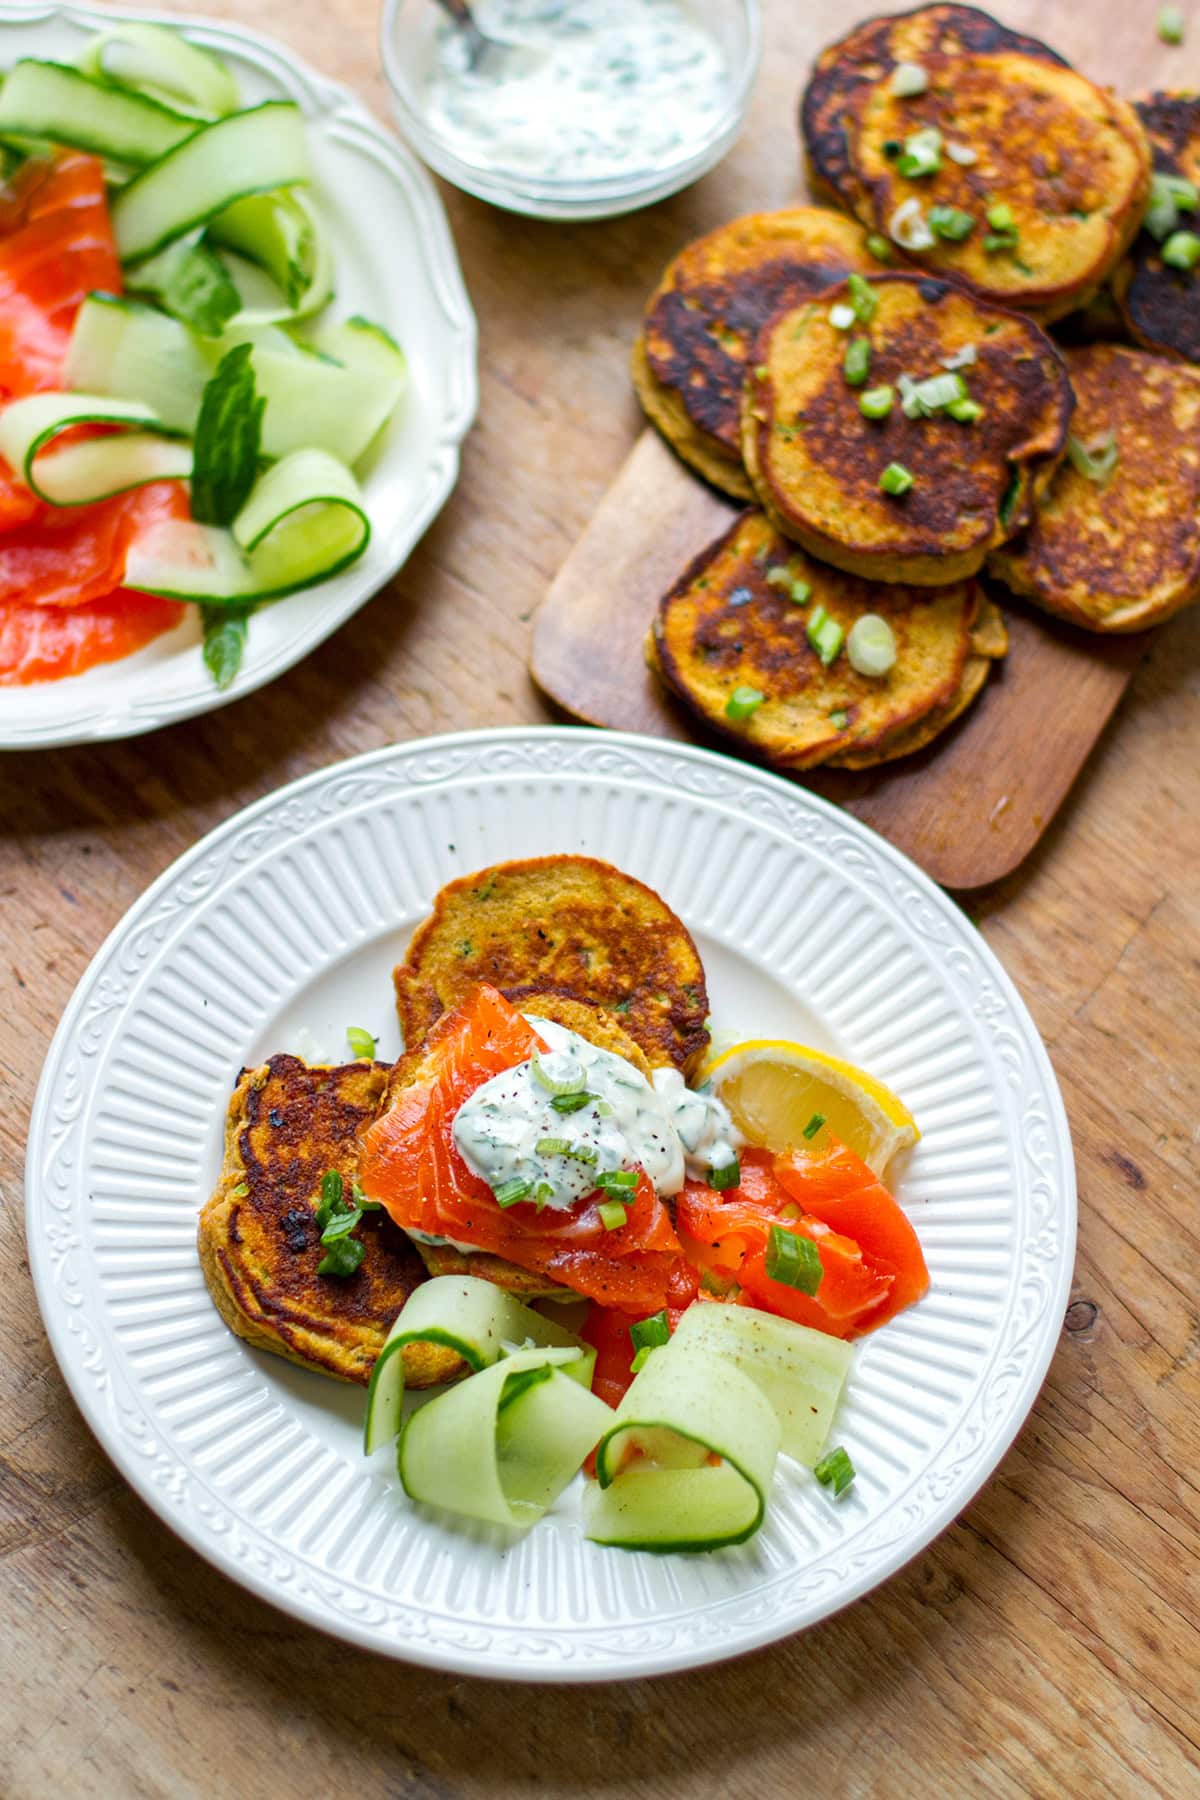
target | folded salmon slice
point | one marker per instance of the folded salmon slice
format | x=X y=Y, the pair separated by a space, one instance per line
x=412 y=1166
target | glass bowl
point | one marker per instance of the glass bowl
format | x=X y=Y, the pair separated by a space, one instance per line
x=408 y=43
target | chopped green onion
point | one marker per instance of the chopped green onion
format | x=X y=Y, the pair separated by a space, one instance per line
x=1169 y=196
x=332 y=1200
x=612 y=1214
x=836 y=1471
x=842 y=316
x=342 y=1257
x=543 y=1193
x=814 y=1125
x=939 y=391
x=951 y=223
x=760 y=373
x=1000 y=216
x=963 y=155
x=617 y=1183
x=1181 y=250
x=509 y=1192
x=725 y=1175
x=648 y=1333
x=779 y=576
x=742 y=702
x=965 y=411
x=863 y=298
x=242 y=1189
x=895 y=479
x=793 y=1260
x=361 y=1042
x=922 y=154
x=554 y=1084
x=908 y=226
x=1171 y=25
x=856 y=364
x=801 y=590
x=839 y=720
x=879 y=248
x=361 y=1201
x=641 y=1359
x=714 y=1283
x=876 y=403
x=908 y=80
x=824 y=634
x=871 y=645
x=961 y=359
x=1095 y=462
x=583 y=1153
x=552 y=1146
x=569 y=1103
x=1000 y=240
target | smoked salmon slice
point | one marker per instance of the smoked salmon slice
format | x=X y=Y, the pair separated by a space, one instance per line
x=410 y=1164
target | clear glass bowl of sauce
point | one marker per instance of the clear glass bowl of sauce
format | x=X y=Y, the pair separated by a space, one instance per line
x=616 y=104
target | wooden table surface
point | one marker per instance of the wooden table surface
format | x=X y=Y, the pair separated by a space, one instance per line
x=1049 y=1643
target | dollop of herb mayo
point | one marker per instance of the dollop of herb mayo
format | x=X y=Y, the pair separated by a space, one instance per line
x=553 y=1124
x=620 y=85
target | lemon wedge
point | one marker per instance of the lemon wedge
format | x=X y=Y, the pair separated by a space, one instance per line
x=774 y=1088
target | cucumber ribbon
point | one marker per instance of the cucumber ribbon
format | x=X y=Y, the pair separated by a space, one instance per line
x=658 y=1488
x=503 y=1444
x=304 y=519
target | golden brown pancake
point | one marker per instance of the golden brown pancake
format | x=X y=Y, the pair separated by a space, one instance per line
x=566 y=925
x=817 y=463
x=289 y=1124
x=731 y=622
x=1161 y=305
x=703 y=318
x=989 y=642
x=1069 y=159
x=1121 y=554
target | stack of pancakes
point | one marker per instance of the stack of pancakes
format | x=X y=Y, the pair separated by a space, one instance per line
x=566 y=938
x=1072 y=476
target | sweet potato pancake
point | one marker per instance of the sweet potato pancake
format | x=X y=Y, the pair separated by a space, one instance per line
x=1119 y=549
x=988 y=643
x=287 y=1125
x=1161 y=304
x=703 y=318
x=564 y=925
x=738 y=619
x=961 y=484
x=1029 y=182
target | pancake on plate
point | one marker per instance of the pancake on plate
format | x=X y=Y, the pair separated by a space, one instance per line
x=737 y=623
x=1029 y=181
x=1114 y=544
x=1160 y=303
x=565 y=925
x=915 y=495
x=288 y=1125
x=702 y=320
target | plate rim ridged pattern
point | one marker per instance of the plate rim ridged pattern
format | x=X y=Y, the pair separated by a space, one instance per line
x=725 y=1606
x=123 y=702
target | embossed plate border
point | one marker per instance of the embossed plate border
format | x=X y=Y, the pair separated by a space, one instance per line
x=635 y=1615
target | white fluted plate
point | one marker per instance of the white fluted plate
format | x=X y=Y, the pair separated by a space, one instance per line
x=395 y=262
x=286 y=921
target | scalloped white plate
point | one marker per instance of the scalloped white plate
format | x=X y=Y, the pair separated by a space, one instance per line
x=395 y=262
x=287 y=920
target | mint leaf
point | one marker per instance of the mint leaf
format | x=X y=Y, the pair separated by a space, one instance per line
x=228 y=431
x=224 y=630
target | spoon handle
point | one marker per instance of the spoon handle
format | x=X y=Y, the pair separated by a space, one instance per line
x=460 y=12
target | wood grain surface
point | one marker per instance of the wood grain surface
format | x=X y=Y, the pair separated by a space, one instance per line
x=969 y=808
x=1049 y=1643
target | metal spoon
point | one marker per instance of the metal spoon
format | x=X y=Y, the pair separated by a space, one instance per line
x=493 y=58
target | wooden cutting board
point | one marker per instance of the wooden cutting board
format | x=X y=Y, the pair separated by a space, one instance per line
x=967 y=809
